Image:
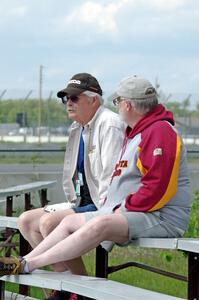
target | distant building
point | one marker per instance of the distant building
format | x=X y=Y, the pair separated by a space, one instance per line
x=6 y=129
x=188 y=126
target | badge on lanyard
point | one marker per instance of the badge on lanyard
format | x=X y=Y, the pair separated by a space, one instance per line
x=79 y=183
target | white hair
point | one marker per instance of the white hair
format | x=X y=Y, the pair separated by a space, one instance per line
x=144 y=106
x=93 y=94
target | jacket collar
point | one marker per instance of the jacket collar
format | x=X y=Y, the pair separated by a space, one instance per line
x=97 y=113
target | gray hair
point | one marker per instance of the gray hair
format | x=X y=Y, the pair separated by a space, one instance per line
x=143 y=106
x=93 y=94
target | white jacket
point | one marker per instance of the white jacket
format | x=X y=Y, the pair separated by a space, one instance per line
x=103 y=137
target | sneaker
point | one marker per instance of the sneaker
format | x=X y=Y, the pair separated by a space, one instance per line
x=58 y=295
x=10 y=266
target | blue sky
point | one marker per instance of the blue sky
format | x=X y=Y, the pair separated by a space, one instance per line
x=110 y=39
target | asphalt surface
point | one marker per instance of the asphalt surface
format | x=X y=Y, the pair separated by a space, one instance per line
x=7 y=171
x=26 y=169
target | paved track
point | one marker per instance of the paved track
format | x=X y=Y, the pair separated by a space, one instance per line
x=26 y=169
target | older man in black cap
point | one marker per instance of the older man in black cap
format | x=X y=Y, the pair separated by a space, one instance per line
x=95 y=140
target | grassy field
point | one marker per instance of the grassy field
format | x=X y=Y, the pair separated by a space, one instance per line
x=55 y=158
x=32 y=158
x=50 y=157
x=166 y=260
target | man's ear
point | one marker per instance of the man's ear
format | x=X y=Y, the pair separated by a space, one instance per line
x=129 y=106
x=95 y=100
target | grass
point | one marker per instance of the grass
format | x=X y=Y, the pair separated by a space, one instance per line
x=35 y=158
x=48 y=158
x=142 y=278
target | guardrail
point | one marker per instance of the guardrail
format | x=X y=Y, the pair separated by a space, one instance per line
x=34 y=139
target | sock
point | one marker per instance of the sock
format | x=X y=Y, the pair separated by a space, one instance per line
x=25 y=268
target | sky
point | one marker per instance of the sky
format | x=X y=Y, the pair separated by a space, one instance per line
x=111 y=39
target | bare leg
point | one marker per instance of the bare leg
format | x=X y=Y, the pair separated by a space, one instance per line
x=63 y=245
x=47 y=224
x=49 y=221
x=66 y=227
x=28 y=224
x=76 y=266
x=36 y=224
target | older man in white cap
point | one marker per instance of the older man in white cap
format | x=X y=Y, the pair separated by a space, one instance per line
x=149 y=192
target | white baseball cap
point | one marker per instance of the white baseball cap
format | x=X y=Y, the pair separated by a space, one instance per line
x=134 y=87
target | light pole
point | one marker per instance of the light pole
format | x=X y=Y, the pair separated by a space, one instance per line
x=2 y=94
x=40 y=100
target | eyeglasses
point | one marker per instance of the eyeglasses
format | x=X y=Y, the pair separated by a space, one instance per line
x=74 y=99
x=117 y=100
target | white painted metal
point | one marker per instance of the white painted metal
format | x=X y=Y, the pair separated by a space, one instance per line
x=191 y=245
x=26 y=188
x=97 y=288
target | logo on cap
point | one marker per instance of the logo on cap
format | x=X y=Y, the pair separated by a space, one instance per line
x=74 y=81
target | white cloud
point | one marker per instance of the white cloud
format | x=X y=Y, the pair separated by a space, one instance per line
x=121 y=18
x=96 y=14
x=109 y=38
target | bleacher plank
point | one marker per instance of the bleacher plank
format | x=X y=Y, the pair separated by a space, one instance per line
x=160 y=243
x=38 y=278
x=26 y=188
x=8 y=222
x=104 y=289
x=190 y=245
x=15 y=296
x=97 y=288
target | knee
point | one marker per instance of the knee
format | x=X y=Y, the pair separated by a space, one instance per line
x=24 y=221
x=46 y=224
x=100 y=227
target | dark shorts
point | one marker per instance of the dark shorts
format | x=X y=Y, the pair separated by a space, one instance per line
x=85 y=208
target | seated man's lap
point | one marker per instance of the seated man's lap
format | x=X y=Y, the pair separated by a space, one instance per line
x=85 y=208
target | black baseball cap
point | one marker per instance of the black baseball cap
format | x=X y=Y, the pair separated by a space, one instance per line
x=79 y=83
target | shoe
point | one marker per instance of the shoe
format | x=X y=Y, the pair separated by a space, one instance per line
x=58 y=295
x=10 y=266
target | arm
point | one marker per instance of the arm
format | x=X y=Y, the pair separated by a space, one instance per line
x=111 y=139
x=158 y=162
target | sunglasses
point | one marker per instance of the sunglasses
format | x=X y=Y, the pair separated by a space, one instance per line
x=117 y=100
x=74 y=99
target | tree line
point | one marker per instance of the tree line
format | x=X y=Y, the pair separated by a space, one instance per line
x=53 y=112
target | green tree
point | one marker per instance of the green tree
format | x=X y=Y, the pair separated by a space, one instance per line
x=53 y=112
